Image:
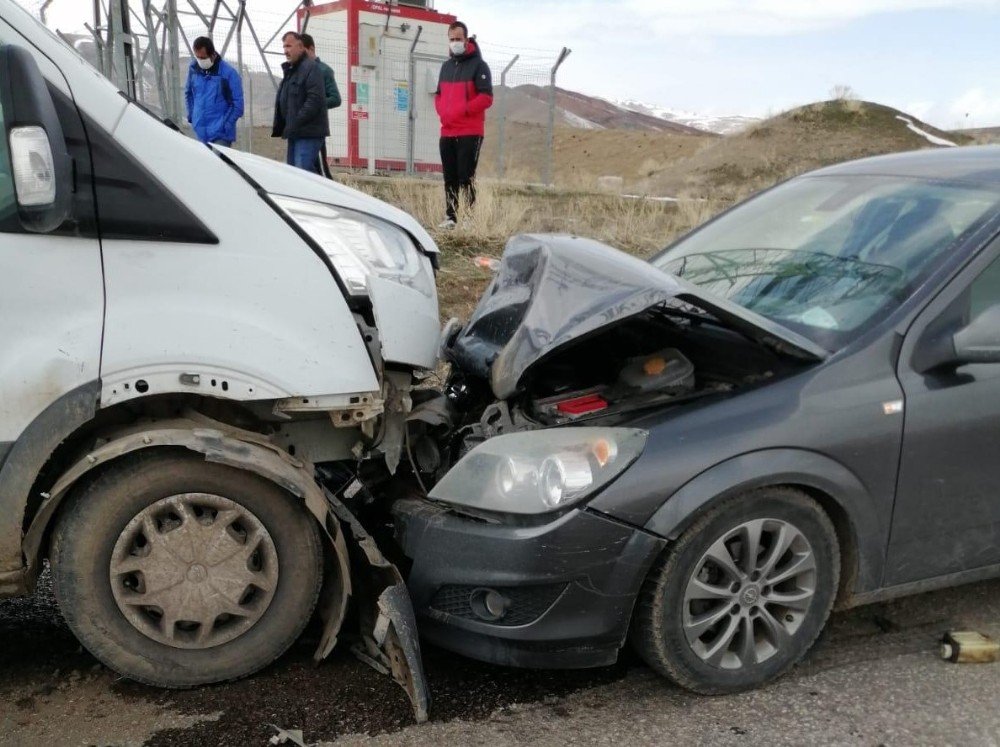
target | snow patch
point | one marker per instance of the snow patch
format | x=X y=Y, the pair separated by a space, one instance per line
x=575 y=120
x=926 y=135
x=719 y=124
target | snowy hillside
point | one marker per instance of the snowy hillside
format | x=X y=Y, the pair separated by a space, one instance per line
x=719 y=124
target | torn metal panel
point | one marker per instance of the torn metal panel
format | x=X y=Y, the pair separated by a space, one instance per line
x=552 y=290
x=388 y=624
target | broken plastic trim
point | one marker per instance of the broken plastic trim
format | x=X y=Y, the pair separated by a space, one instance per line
x=389 y=640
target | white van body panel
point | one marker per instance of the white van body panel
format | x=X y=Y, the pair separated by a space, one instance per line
x=50 y=331
x=259 y=308
x=277 y=178
x=407 y=320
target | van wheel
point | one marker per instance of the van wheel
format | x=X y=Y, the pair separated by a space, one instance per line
x=742 y=595
x=179 y=572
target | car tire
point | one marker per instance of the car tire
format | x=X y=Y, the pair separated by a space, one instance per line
x=161 y=538
x=715 y=626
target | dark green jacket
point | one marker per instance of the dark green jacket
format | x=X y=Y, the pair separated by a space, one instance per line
x=332 y=92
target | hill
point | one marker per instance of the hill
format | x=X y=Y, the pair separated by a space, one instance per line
x=793 y=142
x=529 y=104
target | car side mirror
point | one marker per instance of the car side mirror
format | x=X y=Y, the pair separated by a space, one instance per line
x=979 y=342
x=41 y=166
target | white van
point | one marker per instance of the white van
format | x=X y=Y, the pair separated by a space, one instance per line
x=184 y=333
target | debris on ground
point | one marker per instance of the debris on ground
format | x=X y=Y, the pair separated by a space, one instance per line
x=286 y=736
x=969 y=647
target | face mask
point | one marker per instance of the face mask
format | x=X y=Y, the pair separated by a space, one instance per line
x=206 y=63
x=457 y=48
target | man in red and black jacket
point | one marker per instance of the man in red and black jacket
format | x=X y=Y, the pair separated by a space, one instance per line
x=465 y=92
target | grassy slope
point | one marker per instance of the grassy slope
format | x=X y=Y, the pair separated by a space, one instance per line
x=792 y=143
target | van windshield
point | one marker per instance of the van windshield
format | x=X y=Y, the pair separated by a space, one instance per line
x=828 y=256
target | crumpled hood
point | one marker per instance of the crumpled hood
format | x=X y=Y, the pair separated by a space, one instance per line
x=281 y=179
x=551 y=290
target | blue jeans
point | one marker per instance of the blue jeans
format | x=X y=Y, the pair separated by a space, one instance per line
x=303 y=153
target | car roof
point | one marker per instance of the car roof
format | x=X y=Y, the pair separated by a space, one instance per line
x=977 y=164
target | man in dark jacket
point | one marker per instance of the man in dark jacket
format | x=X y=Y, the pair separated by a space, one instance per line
x=464 y=93
x=213 y=94
x=300 y=115
x=332 y=94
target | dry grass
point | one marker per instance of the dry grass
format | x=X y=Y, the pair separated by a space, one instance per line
x=638 y=226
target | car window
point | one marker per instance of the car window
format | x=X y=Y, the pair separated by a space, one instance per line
x=827 y=257
x=985 y=290
x=8 y=203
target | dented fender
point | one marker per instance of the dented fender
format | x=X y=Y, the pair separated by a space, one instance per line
x=391 y=640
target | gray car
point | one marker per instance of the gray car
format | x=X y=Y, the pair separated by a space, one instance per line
x=794 y=408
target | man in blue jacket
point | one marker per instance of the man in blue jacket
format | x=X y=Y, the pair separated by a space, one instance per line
x=214 y=95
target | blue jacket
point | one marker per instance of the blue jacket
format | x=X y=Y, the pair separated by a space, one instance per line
x=214 y=100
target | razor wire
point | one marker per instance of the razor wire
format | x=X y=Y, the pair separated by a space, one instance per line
x=387 y=121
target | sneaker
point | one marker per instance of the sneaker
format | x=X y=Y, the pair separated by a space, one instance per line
x=447 y=225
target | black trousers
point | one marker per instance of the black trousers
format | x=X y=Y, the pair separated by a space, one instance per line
x=459 y=157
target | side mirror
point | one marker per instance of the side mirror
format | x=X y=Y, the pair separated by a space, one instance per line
x=979 y=342
x=42 y=168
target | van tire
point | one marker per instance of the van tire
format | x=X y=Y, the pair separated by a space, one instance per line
x=95 y=523
x=667 y=637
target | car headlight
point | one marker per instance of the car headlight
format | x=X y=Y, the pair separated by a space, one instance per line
x=360 y=245
x=539 y=471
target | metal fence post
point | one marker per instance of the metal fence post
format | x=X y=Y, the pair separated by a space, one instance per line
x=550 y=135
x=242 y=71
x=411 y=114
x=173 y=102
x=502 y=115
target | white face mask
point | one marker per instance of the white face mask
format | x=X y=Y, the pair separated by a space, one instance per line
x=206 y=63
x=457 y=48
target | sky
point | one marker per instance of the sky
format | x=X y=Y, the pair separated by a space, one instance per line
x=935 y=59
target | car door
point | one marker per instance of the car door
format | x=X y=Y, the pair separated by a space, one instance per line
x=947 y=513
x=51 y=318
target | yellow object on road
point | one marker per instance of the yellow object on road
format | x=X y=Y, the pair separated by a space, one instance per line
x=969 y=647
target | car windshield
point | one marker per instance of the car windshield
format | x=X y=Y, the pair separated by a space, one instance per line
x=828 y=256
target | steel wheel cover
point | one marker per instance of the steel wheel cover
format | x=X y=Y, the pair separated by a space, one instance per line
x=749 y=594
x=194 y=570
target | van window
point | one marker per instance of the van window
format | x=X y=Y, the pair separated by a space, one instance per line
x=8 y=203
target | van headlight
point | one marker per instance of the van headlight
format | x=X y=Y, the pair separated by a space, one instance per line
x=539 y=471
x=360 y=245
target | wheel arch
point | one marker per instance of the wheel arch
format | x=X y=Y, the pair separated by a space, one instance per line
x=216 y=442
x=861 y=532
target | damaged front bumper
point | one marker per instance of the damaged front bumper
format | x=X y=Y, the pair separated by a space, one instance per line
x=555 y=595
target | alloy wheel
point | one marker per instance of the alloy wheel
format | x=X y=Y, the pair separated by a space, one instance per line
x=749 y=594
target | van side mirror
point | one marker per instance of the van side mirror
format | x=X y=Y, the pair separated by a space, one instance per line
x=41 y=166
x=979 y=342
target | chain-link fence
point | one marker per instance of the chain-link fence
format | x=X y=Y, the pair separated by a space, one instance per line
x=386 y=60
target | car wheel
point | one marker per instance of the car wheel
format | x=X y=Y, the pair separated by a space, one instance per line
x=742 y=595
x=179 y=572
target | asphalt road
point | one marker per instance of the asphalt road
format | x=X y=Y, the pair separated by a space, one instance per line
x=873 y=679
